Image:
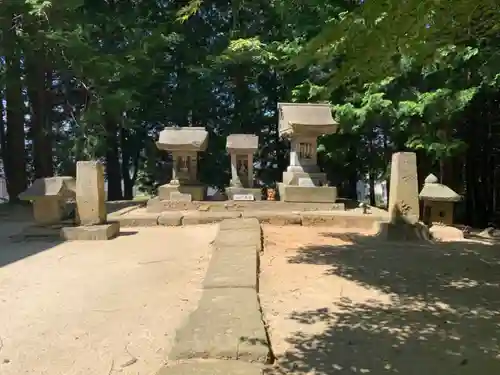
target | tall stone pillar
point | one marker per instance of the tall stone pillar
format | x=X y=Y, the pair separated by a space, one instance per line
x=90 y=194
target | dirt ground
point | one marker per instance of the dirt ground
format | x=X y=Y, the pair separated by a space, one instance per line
x=346 y=304
x=98 y=307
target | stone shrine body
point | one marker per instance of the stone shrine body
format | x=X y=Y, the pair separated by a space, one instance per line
x=241 y=148
x=184 y=144
x=302 y=124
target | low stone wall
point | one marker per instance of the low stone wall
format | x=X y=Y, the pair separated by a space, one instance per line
x=227 y=325
x=132 y=217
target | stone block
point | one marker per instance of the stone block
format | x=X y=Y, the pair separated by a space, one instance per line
x=226 y=325
x=138 y=220
x=232 y=191
x=401 y=231
x=333 y=219
x=239 y=237
x=170 y=219
x=219 y=367
x=100 y=232
x=207 y=217
x=231 y=224
x=275 y=218
x=197 y=192
x=403 y=195
x=292 y=178
x=48 y=210
x=181 y=197
x=318 y=194
x=90 y=194
x=233 y=267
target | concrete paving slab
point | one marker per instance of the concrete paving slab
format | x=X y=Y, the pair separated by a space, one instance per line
x=239 y=237
x=230 y=224
x=226 y=325
x=197 y=217
x=233 y=267
x=213 y=368
x=275 y=218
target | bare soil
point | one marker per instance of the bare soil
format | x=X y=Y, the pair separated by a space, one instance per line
x=98 y=307
x=338 y=303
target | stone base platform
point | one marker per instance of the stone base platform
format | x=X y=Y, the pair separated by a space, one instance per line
x=388 y=231
x=316 y=194
x=232 y=191
x=197 y=192
x=91 y=233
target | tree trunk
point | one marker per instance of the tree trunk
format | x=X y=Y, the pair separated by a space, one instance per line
x=130 y=155
x=15 y=152
x=113 y=171
x=41 y=128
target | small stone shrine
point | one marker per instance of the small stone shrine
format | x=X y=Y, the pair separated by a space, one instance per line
x=241 y=148
x=49 y=197
x=91 y=205
x=438 y=201
x=184 y=144
x=302 y=124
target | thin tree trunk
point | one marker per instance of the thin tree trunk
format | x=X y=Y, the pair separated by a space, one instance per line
x=113 y=171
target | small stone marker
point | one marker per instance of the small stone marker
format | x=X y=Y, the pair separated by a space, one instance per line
x=403 y=196
x=306 y=182
x=90 y=194
x=180 y=197
x=243 y=197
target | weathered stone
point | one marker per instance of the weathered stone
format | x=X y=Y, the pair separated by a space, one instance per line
x=446 y=233
x=245 y=143
x=170 y=219
x=317 y=194
x=239 y=237
x=233 y=191
x=233 y=267
x=275 y=218
x=358 y=221
x=226 y=325
x=306 y=182
x=183 y=139
x=197 y=192
x=90 y=194
x=196 y=217
x=219 y=367
x=181 y=197
x=405 y=232
x=403 y=196
x=138 y=220
x=91 y=233
x=231 y=224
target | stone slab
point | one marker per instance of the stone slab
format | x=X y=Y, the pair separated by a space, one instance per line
x=275 y=218
x=231 y=224
x=318 y=194
x=404 y=232
x=197 y=217
x=239 y=237
x=292 y=178
x=137 y=220
x=170 y=219
x=197 y=192
x=99 y=232
x=232 y=191
x=218 y=367
x=403 y=195
x=90 y=193
x=233 y=267
x=181 y=197
x=307 y=182
x=360 y=221
x=226 y=325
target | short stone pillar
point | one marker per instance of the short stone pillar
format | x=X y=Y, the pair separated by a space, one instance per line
x=91 y=205
x=49 y=197
x=439 y=201
x=302 y=124
x=184 y=145
x=241 y=148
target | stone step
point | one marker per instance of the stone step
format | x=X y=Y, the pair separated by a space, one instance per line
x=213 y=368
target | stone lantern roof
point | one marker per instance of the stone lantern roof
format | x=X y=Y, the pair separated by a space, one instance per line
x=62 y=186
x=306 y=119
x=434 y=191
x=183 y=139
x=245 y=143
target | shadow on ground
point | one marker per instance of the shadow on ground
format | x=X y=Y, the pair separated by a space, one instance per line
x=444 y=317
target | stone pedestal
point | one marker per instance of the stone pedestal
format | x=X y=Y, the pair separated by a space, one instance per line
x=302 y=124
x=241 y=148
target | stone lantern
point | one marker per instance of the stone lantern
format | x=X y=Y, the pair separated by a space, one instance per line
x=241 y=148
x=184 y=144
x=302 y=124
x=439 y=201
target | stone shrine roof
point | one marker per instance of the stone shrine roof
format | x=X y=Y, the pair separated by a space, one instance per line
x=306 y=118
x=183 y=139
x=62 y=186
x=434 y=191
x=242 y=142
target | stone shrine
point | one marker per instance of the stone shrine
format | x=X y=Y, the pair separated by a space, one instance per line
x=439 y=201
x=302 y=124
x=184 y=144
x=241 y=148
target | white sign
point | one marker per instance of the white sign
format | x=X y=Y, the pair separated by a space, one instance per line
x=306 y=182
x=243 y=197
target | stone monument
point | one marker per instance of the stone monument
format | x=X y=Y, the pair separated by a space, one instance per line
x=241 y=148
x=184 y=144
x=439 y=201
x=49 y=197
x=302 y=124
x=91 y=205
